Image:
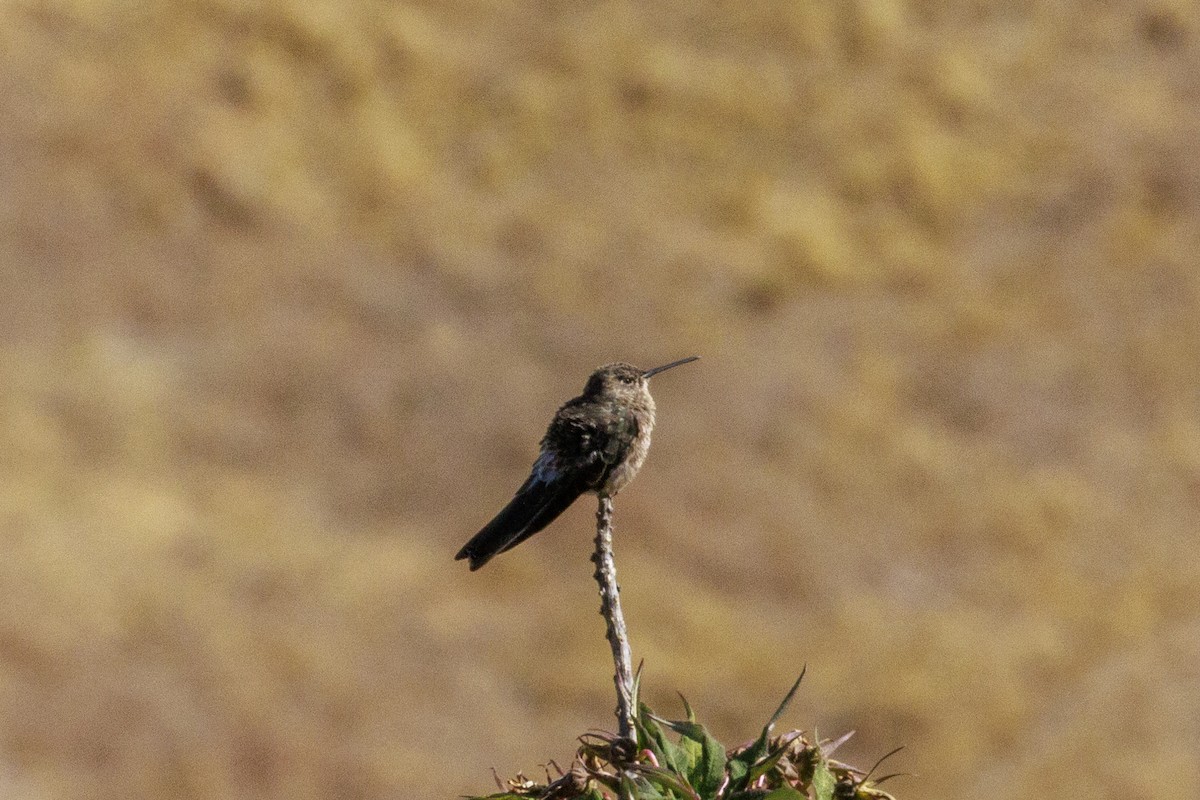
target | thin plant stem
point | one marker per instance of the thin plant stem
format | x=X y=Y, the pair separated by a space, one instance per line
x=614 y=620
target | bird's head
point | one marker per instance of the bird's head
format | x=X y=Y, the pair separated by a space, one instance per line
x=624 y=382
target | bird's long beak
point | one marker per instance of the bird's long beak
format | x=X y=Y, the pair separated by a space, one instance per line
x=666 y=367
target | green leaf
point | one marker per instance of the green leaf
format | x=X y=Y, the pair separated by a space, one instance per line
x=785 y=793
x=646 y=791
x=648 y=734
x=708 y=755
x=687 y=708
x=652 y=737
x=637 y=787
x=787 y=700
x=823 y=781
x=671 y=781
x=738 y=769
x=739 y=765
x=766 y=765
x=636 y=689
x=693 y=752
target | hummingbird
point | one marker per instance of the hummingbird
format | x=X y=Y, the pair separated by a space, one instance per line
x=595 y=443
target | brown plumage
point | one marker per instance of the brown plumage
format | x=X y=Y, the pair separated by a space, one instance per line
x=595 y=443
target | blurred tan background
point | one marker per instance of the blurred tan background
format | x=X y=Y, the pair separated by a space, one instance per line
x=290 y=290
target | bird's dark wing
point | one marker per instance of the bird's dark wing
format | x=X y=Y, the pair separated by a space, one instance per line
x=580 y=447
x=583 y=432
x=550 y=488
x=554 y=501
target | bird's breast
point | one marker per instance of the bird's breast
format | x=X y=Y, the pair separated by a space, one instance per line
x=634 y=453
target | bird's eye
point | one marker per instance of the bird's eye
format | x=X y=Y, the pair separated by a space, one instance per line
x=626 y=379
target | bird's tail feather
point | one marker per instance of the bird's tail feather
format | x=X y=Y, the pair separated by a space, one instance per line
x=534 y=507
x=554 y=505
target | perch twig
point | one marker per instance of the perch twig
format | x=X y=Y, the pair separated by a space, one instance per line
x=614 y=620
